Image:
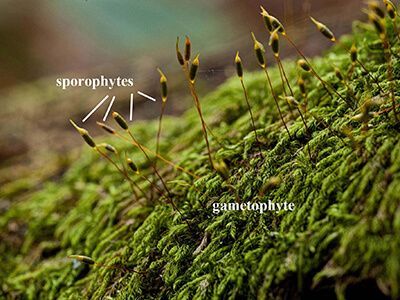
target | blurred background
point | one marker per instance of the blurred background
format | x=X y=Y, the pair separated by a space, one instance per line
x=43 y=40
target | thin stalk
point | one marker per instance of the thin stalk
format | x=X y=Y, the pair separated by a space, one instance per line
x=163 y=105
x=246 y=96
x=276 y=100
x=195 y=97
x=281 y=76
x=285 y=76
x=203 y=124
x=284 y=80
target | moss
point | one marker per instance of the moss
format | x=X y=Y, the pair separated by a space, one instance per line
x=342 y=236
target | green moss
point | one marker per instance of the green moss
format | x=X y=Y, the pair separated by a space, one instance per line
x=343 y=233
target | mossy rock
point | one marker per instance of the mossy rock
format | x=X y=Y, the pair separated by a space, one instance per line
x=341 y=240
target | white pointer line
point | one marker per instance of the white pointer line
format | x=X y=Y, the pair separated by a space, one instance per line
x=108 y=109
x=131 y=110
x=146 y=96
x=94 y=109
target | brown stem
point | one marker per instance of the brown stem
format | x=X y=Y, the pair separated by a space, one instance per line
x=159 y=135
x=281 y=76
x=203 y=126
x=276 y=100
x=286 y=78
x=192 y=89
x=246 y=96
x=159 y=128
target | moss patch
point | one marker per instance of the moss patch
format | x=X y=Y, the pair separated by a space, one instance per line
x=342 y=238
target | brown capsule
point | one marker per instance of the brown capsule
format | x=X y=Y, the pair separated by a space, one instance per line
x=353 y=53
x=85 y=259
x=271 y=22
x=374 y=6
x=324 y=30
x=239 y=66
x=193 y=68
x=391 y=12
x=132 y=165
x=110 y=148
x=187 y=48
x=390 y=8
x=304 y=65
x=339 y=74
x=259 y=51
x=274 y=42
x=85 y=135
x=88 y=139
x=178 y=53
x=276 y=24
x=377 y=23
x=120 y=120
x=107 y=128
x=164 y=87
x=302 y=86
x=267 y=20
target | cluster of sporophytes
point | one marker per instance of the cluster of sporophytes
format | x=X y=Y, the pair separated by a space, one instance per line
x=297 y=103
x=321 y=133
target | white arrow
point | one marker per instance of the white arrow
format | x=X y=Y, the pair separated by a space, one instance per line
x=94 y=109
x=132 y=106
x=146 y=96
x=108 y=109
